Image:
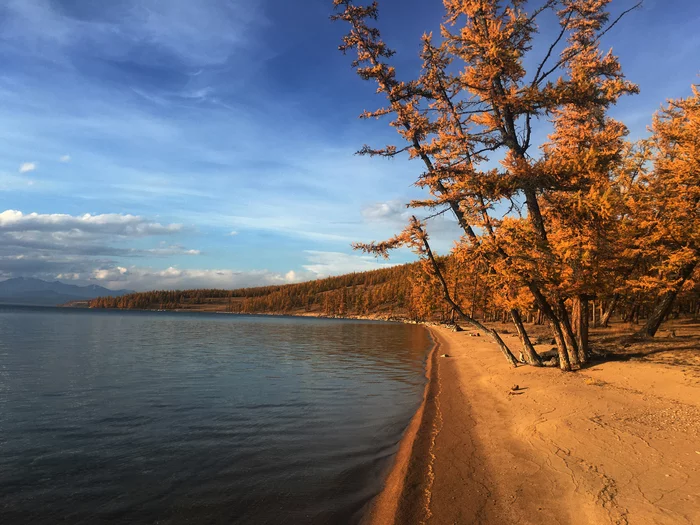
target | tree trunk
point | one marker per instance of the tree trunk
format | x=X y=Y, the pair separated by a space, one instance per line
x=564 y=363
x=473 y=306
x=580 y=326
x=605 y=319
x=569 y=337
x=663 y=308
x=558 y=329
x=531 y=355
x=491 y=333
x=594 y=319
x=635 y=314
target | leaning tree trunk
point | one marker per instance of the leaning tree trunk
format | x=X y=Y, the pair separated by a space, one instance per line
x=605 y=319
x=556 y=325
x=467 y=319
x=579 y=319
x=569 y=337
x=531 y=355
x=663 y=308
x=492 y=333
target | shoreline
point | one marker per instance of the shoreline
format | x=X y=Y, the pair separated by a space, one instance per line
x=614 y=443
x=404 y=479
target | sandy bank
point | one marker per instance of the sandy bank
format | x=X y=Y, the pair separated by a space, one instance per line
x=616 y=443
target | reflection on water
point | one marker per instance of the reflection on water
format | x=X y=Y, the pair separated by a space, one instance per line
x=199 y=418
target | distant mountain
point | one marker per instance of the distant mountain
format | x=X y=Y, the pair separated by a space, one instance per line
x=29 y=291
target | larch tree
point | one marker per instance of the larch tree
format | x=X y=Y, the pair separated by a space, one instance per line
x=474 y=102
x=665 y=200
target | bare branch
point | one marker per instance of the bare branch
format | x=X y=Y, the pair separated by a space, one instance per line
x=565 y=26
x=436 y=214
x=592 y=43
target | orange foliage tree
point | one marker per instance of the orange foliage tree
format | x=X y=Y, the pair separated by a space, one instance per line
x=664 y=217
x=473 y=102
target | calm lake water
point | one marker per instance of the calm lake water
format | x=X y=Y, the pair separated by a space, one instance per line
x=131 y=417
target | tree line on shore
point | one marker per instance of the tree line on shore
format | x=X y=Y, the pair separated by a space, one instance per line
x=386 y=290
x=586 y=216
x=405 y=292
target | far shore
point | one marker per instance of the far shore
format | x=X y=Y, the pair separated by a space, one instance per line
x=82 y=305
x=617 y=442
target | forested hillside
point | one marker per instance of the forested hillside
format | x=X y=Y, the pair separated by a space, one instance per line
x=400 y=292
x=390 y=292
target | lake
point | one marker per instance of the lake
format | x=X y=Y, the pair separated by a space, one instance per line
x=154 y=417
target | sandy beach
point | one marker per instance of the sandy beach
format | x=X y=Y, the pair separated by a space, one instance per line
x=618 y=442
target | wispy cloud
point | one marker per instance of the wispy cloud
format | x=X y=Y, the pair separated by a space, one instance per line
x=64 y=158
x=195 y=33
x=320 y=264
x=323 y=264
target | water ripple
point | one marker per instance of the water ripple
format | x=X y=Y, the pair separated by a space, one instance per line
x=176 y=418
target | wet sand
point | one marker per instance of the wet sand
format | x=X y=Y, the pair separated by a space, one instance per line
x=616 y=443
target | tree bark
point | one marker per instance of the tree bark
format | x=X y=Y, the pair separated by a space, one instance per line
x=666 y=304
x=531 y=355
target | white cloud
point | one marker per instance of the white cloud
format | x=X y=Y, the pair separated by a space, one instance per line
x=86 y=270
x=68 y=276
x=389 y=211
x=443 y=228
x=27 y=167
x=323 y=264
x=174 y=249
x=233 y=233
x=65 y=158
x=80 y=247
x=110 y=223
x=172 y=278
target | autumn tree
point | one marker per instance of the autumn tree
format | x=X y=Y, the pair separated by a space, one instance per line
x=474 y=101
x=664 y=202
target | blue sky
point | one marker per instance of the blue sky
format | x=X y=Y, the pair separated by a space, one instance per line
x=170 y=144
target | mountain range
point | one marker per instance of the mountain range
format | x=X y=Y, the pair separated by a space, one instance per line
x=36 y=292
